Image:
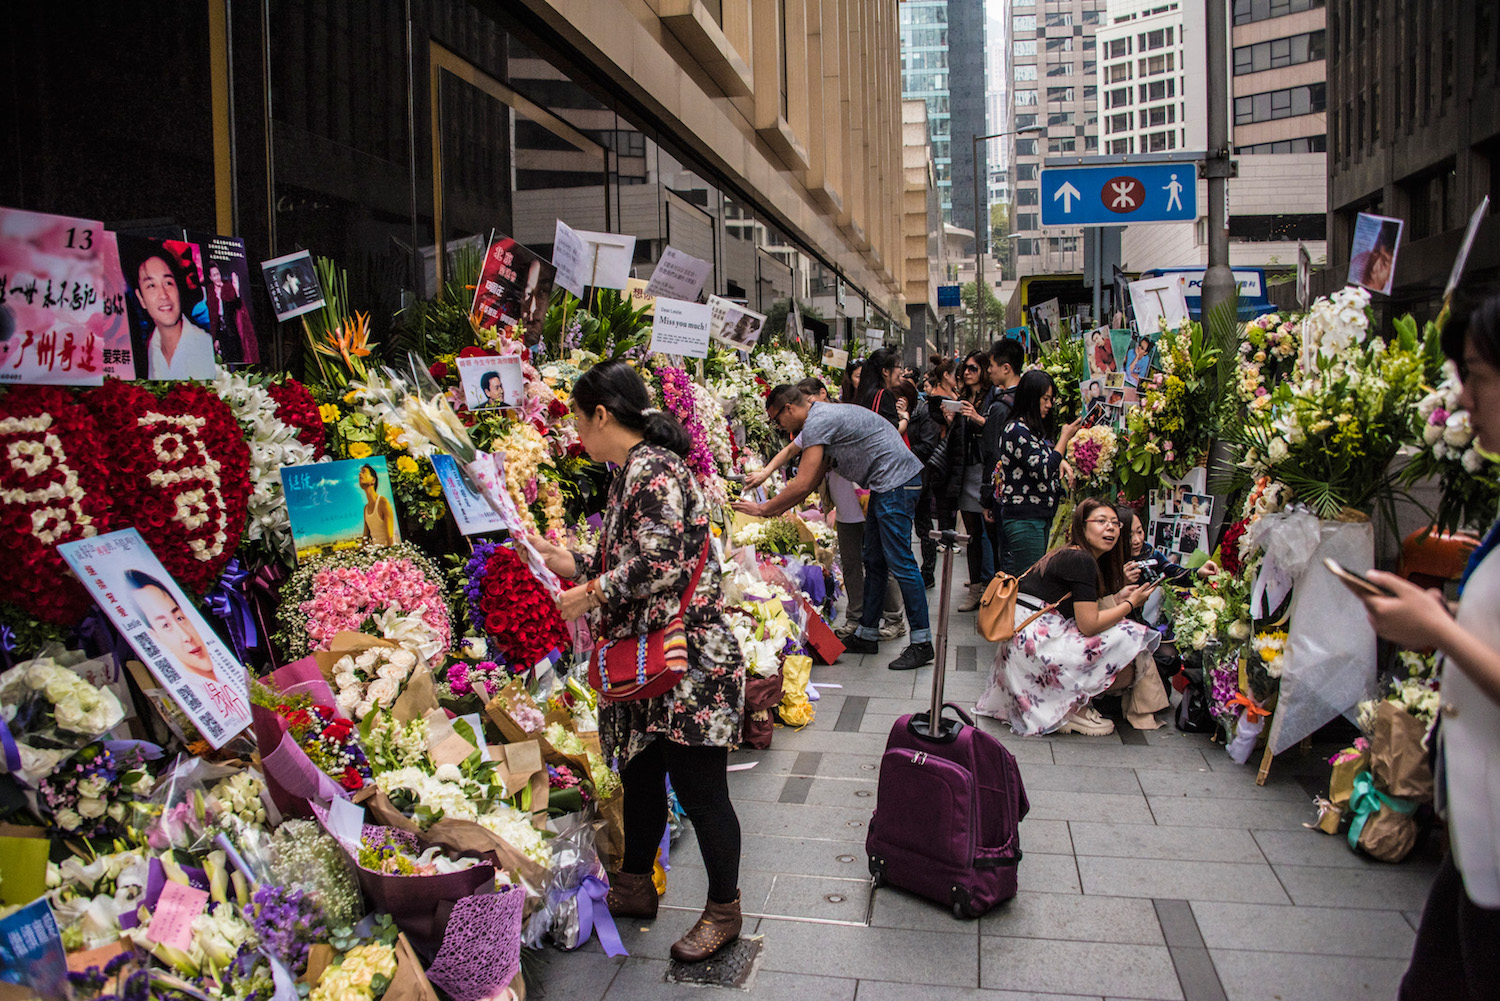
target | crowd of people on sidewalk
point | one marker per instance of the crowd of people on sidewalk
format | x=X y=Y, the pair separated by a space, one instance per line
x=978 y=443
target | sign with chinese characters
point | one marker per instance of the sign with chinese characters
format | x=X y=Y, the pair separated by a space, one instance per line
x=678 y=276
x=514 y=286
x=185 y=656
x=52 y=299
x=340 y=505
x=1114 y=194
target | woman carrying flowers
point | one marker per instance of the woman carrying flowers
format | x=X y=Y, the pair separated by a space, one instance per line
x=1044 y=677
x=1453 y=957
x=655 y=531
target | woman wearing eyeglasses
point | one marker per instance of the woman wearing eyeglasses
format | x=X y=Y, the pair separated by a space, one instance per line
x=1083 y=644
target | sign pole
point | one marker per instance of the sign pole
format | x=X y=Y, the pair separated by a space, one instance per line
x=1218 y=281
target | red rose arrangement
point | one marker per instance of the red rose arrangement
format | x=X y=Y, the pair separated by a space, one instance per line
x=1229 y=547
x=54 y=488
x=181 y=474
x=296 y=408
x=510 y=606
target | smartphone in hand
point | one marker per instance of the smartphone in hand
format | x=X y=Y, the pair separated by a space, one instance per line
x=1357 y=583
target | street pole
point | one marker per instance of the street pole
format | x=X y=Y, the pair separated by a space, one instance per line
x=978 y=251
x=1218 y=280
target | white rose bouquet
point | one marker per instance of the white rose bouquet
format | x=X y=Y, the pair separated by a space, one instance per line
x=1469 y=481
x=371 y=679
x=51 y=711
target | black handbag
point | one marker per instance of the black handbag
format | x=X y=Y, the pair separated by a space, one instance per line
x=938 y=463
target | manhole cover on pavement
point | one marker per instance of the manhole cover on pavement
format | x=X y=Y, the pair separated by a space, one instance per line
x=731 y=966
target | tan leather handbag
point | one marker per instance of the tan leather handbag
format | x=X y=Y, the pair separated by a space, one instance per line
x=997 y=609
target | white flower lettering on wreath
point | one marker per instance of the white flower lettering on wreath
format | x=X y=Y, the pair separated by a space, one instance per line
x=199 y=500
x=37 y=453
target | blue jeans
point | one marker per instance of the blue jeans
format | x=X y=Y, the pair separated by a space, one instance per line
x=887 y=551
x=1025 y=543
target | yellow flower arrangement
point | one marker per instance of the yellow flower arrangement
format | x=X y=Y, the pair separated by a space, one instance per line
x=359 y=450
x=433 y=485
x=353 y=979
x=395 y=437
x=406 y=464
x=525 y=453
x=330 y=413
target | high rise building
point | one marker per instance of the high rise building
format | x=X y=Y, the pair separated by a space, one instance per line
x=996 y=107
x=1153 y=79
x=1054 y=84
x=943 y=65
x=1414 y=132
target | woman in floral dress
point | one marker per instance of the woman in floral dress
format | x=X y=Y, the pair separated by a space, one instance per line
x=1045 y=676
x=655 y=532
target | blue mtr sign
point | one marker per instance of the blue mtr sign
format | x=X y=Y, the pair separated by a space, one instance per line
x=1119 y=194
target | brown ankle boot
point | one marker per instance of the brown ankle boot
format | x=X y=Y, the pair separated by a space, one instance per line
x=631 y=895
x=717 y=927
x=976 y=595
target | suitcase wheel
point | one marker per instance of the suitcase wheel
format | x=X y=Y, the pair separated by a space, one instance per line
x=962 y=908
x=877 y=871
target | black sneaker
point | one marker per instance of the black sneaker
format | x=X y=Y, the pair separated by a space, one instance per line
x=855 y=644
x=913 y=657
x=929 y=581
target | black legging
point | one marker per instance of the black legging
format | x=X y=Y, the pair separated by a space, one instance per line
x=974 y=527
x=700 y=779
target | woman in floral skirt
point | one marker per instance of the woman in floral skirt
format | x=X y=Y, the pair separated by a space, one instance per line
x=1045 y=676
x=655 y=532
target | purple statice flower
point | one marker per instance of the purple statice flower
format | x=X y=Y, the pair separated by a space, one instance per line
x=572 y=335
x=287 y=923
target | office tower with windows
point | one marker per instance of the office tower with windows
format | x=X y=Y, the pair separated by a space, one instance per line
x=1154 y=97
x=943 y=65
x=1053 y=83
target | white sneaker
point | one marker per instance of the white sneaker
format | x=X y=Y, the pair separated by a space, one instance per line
x=844 y=630
x=892 y=630
x=1088 y=722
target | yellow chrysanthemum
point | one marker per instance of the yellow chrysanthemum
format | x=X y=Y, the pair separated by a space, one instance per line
x=360 y=450
x=394 y=437
x=406 y=464
x=329 y=413
x=433 y=486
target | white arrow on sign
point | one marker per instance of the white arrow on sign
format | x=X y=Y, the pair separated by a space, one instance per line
x=1067 y=193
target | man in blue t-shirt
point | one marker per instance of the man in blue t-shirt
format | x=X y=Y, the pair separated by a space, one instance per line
x=865 y=449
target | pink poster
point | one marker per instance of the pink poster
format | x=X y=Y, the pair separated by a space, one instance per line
x=52 y=299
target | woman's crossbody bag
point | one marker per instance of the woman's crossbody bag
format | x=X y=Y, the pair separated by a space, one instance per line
x=997 y=609
x=648 y=665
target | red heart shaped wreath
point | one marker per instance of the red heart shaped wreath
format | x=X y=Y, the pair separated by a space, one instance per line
x=181 y=474
x=53 y=489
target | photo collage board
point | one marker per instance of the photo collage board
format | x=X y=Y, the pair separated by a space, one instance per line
x=1180 y=513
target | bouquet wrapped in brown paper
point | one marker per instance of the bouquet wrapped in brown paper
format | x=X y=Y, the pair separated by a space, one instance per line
x=368 y=673
x=1384 y=799
x=515 y=713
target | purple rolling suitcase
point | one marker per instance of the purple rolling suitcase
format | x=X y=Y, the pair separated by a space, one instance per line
x=949 y=804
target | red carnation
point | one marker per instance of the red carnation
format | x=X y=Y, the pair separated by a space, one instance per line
x=556 y=409
x=1229 y=547
x=351 y=779
x=438 y=370
x=338 y=730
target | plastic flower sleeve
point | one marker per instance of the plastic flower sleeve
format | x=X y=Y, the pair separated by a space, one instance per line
x=1328 y=671
x=573 y=904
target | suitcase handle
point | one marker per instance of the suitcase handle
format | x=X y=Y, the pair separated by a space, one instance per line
x=948 y=729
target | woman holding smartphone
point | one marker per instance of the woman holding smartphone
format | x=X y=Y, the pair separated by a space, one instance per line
x=1454 y=955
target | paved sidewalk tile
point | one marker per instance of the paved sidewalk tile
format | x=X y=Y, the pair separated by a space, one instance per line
x=1074 y=918
x=1201 y=844
x=876 y=990
x=646 y=978
x=1318 y=931
x=1239 y=881
x=902 y=956
x=1280 y=976
x=1389 y=889
x=1126 y=971
x=1047 y=804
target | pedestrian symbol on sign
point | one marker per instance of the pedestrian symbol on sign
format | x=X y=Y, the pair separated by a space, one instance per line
x=1122 y=194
